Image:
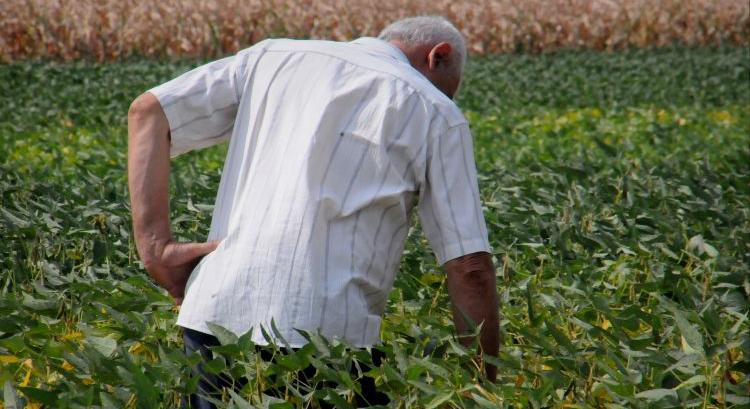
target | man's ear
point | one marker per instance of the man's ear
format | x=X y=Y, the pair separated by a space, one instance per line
x=439 y=55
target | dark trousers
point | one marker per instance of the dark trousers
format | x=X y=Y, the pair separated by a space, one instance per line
x=211 y=385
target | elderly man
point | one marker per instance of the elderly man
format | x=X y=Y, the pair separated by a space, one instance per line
x=330 y=147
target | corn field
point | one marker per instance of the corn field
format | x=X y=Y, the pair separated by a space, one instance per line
x=110 y=30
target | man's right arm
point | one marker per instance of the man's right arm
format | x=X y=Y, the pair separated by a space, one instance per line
x=169 y=263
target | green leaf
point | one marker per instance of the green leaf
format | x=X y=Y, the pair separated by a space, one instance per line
x=533 y=319
x=109 y=402
x=40 y=395
x=224 y=335
x=737 y=399
x=104 y=345
x=697 y=245
x=434 y=368
x=338 y=401
x=14 y=344
x=280 y=405
x=215 y=365
x=692 y=381
x=689 y=331
x=14 y=220
x=482 y=402
x=238 y=401
x=657 y=394
x=37 y=304
x=320 y=344
x=561 y=339
x=439 y=400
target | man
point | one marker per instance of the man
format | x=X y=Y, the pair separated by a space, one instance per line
x=330 y=147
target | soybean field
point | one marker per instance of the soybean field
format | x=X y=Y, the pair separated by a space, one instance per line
x=616 y=188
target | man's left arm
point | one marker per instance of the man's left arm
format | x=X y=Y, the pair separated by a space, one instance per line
x=452 y=219
x=473 y=292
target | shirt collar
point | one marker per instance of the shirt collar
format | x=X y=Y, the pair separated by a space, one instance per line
x=378 y=46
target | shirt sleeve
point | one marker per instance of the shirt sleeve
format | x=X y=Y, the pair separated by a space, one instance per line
x=201 y=105
x=449 y=205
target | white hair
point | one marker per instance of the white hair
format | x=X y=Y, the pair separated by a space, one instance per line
x=427 y=31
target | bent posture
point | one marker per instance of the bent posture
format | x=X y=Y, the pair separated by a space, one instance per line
x=330 y=147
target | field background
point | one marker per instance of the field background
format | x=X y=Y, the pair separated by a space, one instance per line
x=107 y=30
x=616 y=187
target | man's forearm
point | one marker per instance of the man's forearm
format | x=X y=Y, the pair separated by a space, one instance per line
x=148 y=177
x=168 y=262
x=473 y=291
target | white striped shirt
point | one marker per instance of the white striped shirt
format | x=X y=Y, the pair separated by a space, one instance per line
x=331 y=145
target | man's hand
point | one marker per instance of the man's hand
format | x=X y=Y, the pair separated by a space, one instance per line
x=473 y=292
x=168 y=262
x=172 y=267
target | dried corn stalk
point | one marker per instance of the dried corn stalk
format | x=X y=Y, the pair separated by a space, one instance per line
x=107 y=30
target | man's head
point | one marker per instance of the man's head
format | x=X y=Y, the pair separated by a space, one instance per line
x=433 y=46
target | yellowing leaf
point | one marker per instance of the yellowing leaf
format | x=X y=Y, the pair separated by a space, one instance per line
x=27 y=378
x=723 y=118
x=733 y=377
x=88 y=381
x=138 y=348
x=600 y=392
x=8 y=359
x=73 y=336
x=686 y=348
x=662 y=117
x=67 y=366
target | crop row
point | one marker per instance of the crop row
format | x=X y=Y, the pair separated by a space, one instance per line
x=113 y=29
